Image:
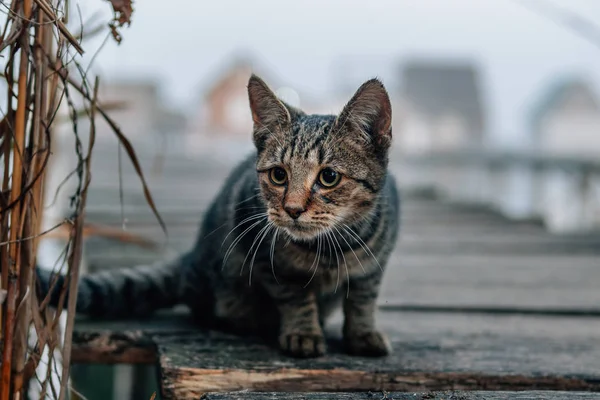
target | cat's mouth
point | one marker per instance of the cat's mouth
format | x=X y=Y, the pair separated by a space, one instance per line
x=302 y=231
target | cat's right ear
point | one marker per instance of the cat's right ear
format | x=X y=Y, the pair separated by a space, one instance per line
x=268 y=112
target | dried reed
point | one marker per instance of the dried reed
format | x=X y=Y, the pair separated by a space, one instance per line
x=40 y=72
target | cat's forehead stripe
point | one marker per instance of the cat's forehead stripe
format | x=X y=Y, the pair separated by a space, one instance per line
x=308 y=134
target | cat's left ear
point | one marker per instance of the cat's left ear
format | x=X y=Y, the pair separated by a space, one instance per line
x=370 y=113
x=268 y=112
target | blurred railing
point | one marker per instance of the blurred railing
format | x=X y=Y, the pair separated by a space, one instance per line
x=562 y=192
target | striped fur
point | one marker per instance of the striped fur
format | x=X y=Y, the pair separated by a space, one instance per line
x=277 y=258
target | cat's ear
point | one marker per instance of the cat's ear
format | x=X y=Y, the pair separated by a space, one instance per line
x=268 y=112
x=370 y=113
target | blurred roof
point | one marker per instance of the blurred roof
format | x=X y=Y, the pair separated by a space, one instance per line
x=240 y=62
x=245 y=63
x=574 y=91
x=435 y=87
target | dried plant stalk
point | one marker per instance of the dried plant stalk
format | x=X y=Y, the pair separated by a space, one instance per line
x=34 y=205
x=15 y=215
x=44 y=55
x=76 y=237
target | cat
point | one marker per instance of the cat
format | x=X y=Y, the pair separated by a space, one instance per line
x=301 y=227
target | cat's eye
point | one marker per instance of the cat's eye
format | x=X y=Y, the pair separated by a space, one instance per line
x=329 y=178
x=278 y=176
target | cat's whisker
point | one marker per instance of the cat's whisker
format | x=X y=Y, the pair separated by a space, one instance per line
x=316 y=261
x=256 y=238
x=356 y=236
x=337 y=282
x=221 y=226
x=268 y=229
x=273 y=241
x=250 y=218
x=214 y=230
x=329 y=247
x=365 y=220
x=238 y=209
x=248 y=199
x=345 y=263
x=362 y=244
x=249 y=208
x=351 y=249
x=237 y=240
x=319 y=248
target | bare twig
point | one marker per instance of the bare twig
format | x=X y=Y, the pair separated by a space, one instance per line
x=123 y=141
x=102 y=231
x=37 y=236
x=15 y=218
x=35 y=47
x=75 y=256
x=45 y=7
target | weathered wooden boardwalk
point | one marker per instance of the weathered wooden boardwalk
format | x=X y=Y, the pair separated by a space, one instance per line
x=472 y=302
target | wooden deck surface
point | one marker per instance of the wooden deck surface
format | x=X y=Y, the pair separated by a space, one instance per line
x=471 y=301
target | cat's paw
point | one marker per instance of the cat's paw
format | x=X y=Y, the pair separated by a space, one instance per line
x=368 y=344
x=302 y=345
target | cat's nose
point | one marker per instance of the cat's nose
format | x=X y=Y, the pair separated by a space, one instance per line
x=294 y=211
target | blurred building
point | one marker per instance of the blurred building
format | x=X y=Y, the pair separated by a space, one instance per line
x=139 y=110
x=223 y=111
x=439 y=107
x=224 y=107
x=566 y=119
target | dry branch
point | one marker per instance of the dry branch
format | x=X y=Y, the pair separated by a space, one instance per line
x=107 y=232
x=45 y=7
x=16 y=221
x=40 y=70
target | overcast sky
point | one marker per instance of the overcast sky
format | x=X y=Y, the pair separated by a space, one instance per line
x=185 y=42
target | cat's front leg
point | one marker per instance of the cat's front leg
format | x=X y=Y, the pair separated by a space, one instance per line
x=300 y=333
x=360 y=334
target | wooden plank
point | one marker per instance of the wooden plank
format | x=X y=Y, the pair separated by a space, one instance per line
x=411 y=225
x=488 y=235
x=135 y=208
x=182 y=236
x=444 y=395
x=431 y=352
x=503 y=279
x=189 y=194
x=550 y=281
x=483 y=309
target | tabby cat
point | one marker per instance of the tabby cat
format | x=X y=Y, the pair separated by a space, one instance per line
x=304 y=225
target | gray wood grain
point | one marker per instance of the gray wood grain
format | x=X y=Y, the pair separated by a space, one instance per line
x=421 y=275
x=445 y=395
x=458 y=257
x=431 y=352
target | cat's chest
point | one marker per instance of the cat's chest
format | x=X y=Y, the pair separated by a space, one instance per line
x=331 y=281
x=327 y=269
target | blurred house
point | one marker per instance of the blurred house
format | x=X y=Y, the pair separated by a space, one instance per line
x=566 y=119
x=223 y=112
x=439 y=108
x=138 y=109
x=224 y=108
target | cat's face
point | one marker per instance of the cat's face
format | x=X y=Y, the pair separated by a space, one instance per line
x=317 y=173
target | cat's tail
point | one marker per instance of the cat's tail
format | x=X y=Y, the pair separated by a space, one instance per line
x=122 y=293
